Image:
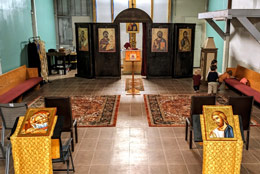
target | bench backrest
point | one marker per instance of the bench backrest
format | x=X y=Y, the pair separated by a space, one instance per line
x=252 y=76
x=12 y=78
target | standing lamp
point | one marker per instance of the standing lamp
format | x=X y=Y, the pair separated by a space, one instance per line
x=208 y=53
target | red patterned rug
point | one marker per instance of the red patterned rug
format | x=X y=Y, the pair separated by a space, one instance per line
x=91 y=111
x=138 y=82
x=172 y=110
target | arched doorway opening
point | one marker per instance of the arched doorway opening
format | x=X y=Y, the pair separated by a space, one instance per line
x=135 y=15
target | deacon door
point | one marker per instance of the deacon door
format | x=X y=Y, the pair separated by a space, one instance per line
x=159 y=52
x=107 y=49
x=183 y=50
x=84 y=47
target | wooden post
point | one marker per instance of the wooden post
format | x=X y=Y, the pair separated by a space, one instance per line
x=133 y=56
x=227 y=42
x=169 y=11
x=152 y=9
x=94 y=11
x=112 y=10
x=133 y=78
x=229 y=4
x=133 y=91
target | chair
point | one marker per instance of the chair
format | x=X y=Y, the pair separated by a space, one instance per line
x=9 y=113
x=194 y=121
x=242 y=105
x=65 y=152
x=63 y=106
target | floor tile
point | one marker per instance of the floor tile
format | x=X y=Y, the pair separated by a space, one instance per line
x=119 y=169
x=194 y=168
x=120 y=157
x=252 y=168
x=92 y=133
x=174 y=157
x=155 y=169
x=156 y=157
x=99 y=169
x=169 y=143
x=154 y=143
x=191 y=156
x=88 y=144
x=102 y=157
x=139 y=169
x=83 y=159
x=178 y=169
x=248 y=157
x=79 y=170
x=105 y=144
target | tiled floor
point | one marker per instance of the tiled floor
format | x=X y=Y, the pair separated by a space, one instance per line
x=132 y=147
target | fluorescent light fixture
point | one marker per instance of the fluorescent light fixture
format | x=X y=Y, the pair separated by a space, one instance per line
x=219 y=18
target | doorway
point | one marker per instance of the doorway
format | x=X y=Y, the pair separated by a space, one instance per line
x=131 y=41
x=135 y=15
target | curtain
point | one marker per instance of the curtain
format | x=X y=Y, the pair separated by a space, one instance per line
x=33 y=57
x=144 y=53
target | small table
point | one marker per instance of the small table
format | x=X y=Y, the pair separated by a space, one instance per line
x=133 y=56
x=58 y=56
x=73 y=60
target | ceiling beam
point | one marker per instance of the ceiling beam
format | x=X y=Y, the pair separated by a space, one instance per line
x=216 y=28
x=250 y=27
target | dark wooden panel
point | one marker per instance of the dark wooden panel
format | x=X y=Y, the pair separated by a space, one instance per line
x=85 y=62
x=107 y=64
x=159 y=64
x=183 y=61
x=133 y=15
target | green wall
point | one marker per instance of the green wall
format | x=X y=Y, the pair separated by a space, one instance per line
x=15 y=29
x=46 y=23
x=213 y=6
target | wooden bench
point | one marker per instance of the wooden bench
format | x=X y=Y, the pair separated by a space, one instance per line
x=252 y=89
x=15 y=83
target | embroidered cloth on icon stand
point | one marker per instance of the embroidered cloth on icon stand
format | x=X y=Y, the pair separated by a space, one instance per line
x=91 y=111
x=222 y=156
x=33 y=155
x=171 y=110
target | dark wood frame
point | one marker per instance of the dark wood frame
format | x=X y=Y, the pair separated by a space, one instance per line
x=85 y=59
x=159 y=64
x=183 y=61
x=107 y=64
